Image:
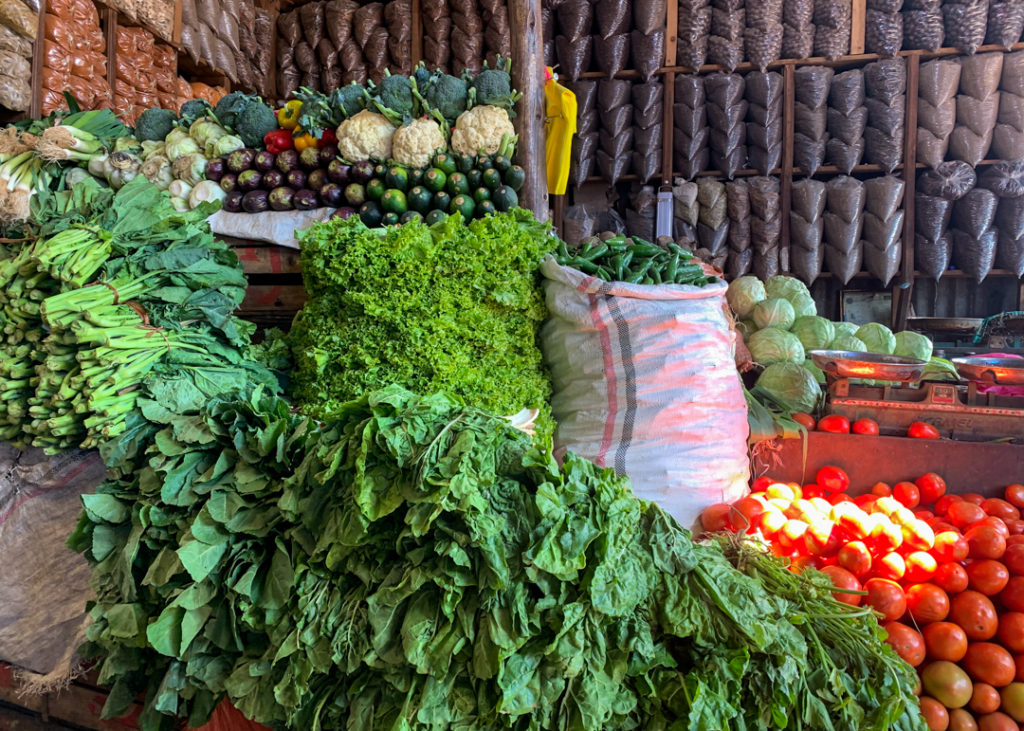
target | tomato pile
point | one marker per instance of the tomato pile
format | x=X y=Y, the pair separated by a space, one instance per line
x=944 y=572
x=839 y=424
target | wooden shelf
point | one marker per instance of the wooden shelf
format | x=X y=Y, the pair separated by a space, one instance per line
x=949 y=274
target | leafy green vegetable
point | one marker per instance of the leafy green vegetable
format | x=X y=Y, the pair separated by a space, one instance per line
x=452 y=307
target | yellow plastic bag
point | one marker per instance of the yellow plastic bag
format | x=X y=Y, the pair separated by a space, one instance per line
x=559 y=130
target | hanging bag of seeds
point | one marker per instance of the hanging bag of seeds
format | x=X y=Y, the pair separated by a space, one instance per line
x=965 y=23
x=1005 y=23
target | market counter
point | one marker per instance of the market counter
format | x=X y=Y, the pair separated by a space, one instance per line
x=982 y=467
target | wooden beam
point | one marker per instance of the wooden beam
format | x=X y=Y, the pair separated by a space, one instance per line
x=668 y=100
x=528 y=77
x=858 y=13
x=38 y=61
x=904 y=292
x=109 y=16
x=786 y=181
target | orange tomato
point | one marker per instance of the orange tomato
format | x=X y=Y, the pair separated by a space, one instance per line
x=931 y=486
x=906 y=641
x=855 y=558
x=1011 y=631
x=834 y=423
x=921 y=430
x=927 y=603
x=943 y=503
x=984 y=541
x=985 y=698
x=987 y=576
x=935 y=715
x=987 y=662
x=881 y=489
x=945 y=641
x=963 y=513
x=961 y=720
x=974 y=612
x=716 y=518
x=997 y=721
x=951 y=577
x=1014 y=558
x=886 y=597
x=1014 y=495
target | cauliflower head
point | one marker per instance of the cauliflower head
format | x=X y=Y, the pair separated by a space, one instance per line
x=415 y=143
x=483 y=128
x=365 y=136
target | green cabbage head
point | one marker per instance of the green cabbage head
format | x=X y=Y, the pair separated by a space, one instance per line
x=913 y=345
x=773 y=345
x=843 y=341
x=743 y=294
x=774 y=312
x=877 y=337
x=815 y=333
x=792 y=384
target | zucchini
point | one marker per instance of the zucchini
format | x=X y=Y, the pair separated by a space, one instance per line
x=445 y=162
x=514 y=177
x=463 y=204
x=416 y=177
x=394 y=201
x=370 y=214
x=380 y=170
x=397 y=177
x=457 y=184
x=492 y=178
x=375 y=189
x=420 y=199
x=484 y=162
x=504 y=198
x=435 y=179
x=442 y=200
x=466 y=163
x=435 y=216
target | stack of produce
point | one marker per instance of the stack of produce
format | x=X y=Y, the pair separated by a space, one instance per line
x=1008 y=136
x=737 y=204
x=648 y=121
x=467 y=39
x=145 y=74
x=886 y=85
x=713 y=221
x=966 y=22
x=647 y=40
x=798 y=29
x=728 y=26
x=1006 y=180
x=614 y=104
x=1005 y=23
x=936 y=109
x=726 y=115
x=806 y=228
x=18 y=29
x=691 y=134
x=833 y=23
x=922 y=24
x=695 y=25
x=763 y=92
x=843 y=226
x=573 y=42
x=977 y=107
x=933 y=207
x=883 y=227
x=762 y=38
x=883 y=27
x=611 y=41
x=944 y=572
x=974 y=238
x=584 y=142
x=75 y=57
x=209 y=32
x=765 y=225
x=847 y=119
x=810 y=117
x=253 y=55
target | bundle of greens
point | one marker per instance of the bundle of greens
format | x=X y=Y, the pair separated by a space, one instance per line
x=419 y=564
x=452 y=307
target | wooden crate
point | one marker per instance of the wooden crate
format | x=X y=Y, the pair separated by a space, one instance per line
x=79 y=705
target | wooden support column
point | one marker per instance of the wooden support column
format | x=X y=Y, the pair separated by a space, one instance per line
x=786 y=179
x=528 y=77
x=903 y=294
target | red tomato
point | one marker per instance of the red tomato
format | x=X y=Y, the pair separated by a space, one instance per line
x=887 y=505
x=921 y=566
x=951 y=577
x=881 y=489
x=943 y=503
x=716 y=518
x=924 y=515
x=907 y=494
x=961 y=720
x=804 y=419
x=834 y=423
x=811 y=491
x=1014 y=558
x=823 y=538
x=839 y=497
x=997 y=721
x=918 y=535
x=1011 y=631
x=855 y=558
x=985 y=698
x=987 y=576
x=950 y=546
x=1015 y=495
x=921 y=430
x=1015 y=527
x=885 y=537
x=890 y=566
x=832 y=479
x=999 y=508
x=975 y=613
x=998 y=523
x=945 y=641
x=927 y=603
x=907 y=642
x=865 y=502
x=963 y=513
x=885 y=597
x=987 y=662
x=1012 y=597
x=1013 y=540
x=761 y=484
x=843 y=579
x=984 y=541
x=973 y=497
x=942 y=526
x=772 y=521
x=867 y=427
x=935 y=715
x=932 y=487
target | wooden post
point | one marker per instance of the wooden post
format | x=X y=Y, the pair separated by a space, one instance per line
x=786 y=179
x=417 y=33
x=109 y=16
x=38 y=61
x=905 y=292
x=858 y=13
x=528 y=77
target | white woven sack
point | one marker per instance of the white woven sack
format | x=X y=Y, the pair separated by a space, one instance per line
x=645 y=382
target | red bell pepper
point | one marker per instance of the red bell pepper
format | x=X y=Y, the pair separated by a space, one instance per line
x=327 y=138
x=278 y=141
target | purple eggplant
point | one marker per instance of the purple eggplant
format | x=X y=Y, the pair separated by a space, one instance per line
x=215 y=169
x=339 y=171
x=233 y=202
x=295 y=179
x=240 y=160
x=344 y=212
x=362 y=172
x=305 y=200
x=287 y=161
x=264 y=161
x=255 y=201
x=309 y=159
x=328 y=154
x=281 y=198
x=273 y=179
x=355 y=194
x=229 y=182
x=332 y=195
x=250 y=180
x=316 y=180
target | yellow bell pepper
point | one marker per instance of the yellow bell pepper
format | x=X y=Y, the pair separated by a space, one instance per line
x=288 y=116
x=303 y=141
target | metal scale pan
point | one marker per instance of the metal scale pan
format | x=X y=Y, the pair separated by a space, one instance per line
x=872 y=366
x=994 y=371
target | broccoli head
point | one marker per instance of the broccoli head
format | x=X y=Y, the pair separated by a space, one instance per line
x=155 y=124
x=447 y=95
x=351 y=99
x=422 y=76
x=193 y=109
x=231 y=105
x=254 y=122
x=394 y=98
x=493 y=88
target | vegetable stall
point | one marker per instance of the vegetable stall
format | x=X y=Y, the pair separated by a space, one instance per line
x=485 y=477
